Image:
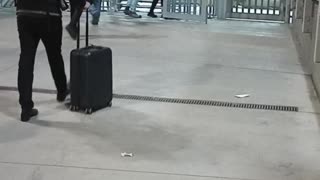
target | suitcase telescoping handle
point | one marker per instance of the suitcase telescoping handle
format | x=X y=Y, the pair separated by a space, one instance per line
x=87 y=31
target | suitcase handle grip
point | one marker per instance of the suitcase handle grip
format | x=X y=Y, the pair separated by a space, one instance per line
x=87 y=27
x=87 y=30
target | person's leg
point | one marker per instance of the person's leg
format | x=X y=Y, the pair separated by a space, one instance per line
x=52 y=40
x=133 y=8
x=73 y=5
x=127 y=9
x=153 y=6
x=95 y=10
x=76 y=12
x=29 y=40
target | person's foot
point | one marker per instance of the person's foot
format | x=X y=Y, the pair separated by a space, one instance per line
x=134 y=15
x=26 y=115
x=127 y=11
x=61 y=97
x=95 y=20
x=72 y=30
x=170 y=18
x=151 y=14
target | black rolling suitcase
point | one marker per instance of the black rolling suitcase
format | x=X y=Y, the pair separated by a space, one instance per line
x=91 y=76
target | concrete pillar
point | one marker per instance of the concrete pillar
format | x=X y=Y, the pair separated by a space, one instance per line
x=299 y=9
x=307 y=16
x=316 y=57
x=223 y=8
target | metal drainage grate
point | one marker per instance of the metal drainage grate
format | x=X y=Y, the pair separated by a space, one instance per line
x=181 y=101
x=209 y=103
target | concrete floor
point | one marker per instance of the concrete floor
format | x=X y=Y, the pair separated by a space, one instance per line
x=169 y=141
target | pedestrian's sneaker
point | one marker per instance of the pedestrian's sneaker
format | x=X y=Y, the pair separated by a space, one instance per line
x=134 y=15
x=151 y=14
x=127 y=11
x=61 y=96
x=72 y=30
x=95 y=20
x=26 y=115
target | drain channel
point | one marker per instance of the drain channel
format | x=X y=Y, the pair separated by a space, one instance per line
x=181 y=101
x=209 y=103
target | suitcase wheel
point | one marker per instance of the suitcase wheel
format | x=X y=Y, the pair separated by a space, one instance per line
x=88 y=111
x=74 y=108
x=110 y=104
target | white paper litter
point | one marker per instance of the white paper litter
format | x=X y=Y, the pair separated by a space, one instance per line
x=124 y=154
x=242 y=95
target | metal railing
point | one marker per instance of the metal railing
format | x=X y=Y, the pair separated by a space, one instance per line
x=269 y=7
x=144 y=6
x=6 y=3
x=211 y=8
x=258 y=9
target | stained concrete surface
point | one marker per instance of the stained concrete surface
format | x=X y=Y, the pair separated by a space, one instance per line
x=170 y=141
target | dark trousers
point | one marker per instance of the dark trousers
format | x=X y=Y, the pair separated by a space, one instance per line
x=76 y=7
x=31 y=31
x=76 y=4
x=154 y=4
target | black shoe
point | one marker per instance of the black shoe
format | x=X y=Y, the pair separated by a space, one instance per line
x=151 y=14
x=127 y=11
x=134 y=15
x=95 y=21
x=72 y=30
x=27 y=114
x=61 y=97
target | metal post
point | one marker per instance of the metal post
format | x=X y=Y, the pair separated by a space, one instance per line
x=255 y=6
x=307 y=17
x=282 y=10
x=316 y=56
x=268 y=7
x=165 y=8
x=204 y=12
x=287 y=11
x=224 y=8
x=275 y=7
x=292 y=9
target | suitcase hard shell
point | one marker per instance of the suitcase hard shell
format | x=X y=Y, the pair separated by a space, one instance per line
x=90 y=77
